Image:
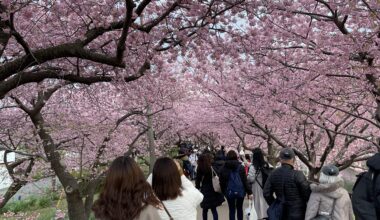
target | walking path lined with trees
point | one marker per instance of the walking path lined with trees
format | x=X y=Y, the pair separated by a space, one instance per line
x=83 y=82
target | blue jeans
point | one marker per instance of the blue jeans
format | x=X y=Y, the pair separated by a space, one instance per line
x=214 y=213
x=235 y=205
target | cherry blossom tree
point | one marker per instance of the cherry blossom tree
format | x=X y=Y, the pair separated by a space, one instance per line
x=86 y=43
x=83 y=82
x=77 y=137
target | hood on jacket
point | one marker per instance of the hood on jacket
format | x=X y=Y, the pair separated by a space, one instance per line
x=232 y=164
x=332 y=190
x=374 y=162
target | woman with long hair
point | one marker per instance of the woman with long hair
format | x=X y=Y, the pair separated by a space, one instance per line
x=203 y=182
x=329 y=200
x=255 y=177
x=178 y=195
x=233 y=182
x=126 y=194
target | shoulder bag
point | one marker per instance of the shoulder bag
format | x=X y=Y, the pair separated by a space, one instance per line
x=167 y=211
x=215 y=181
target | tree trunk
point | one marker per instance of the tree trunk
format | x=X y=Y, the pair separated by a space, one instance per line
x=272 y=159
x=91 y=190
x=150 y=134
x=313 y=174
x=75 y=206
x=11 y=191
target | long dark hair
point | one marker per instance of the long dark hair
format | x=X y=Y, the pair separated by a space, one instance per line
x=204 y=163
x=232 y=155
x=166 y=179
x=125 y=193
x=258 y=160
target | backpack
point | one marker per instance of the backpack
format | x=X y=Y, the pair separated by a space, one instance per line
x=235 y=187
x=265 y=172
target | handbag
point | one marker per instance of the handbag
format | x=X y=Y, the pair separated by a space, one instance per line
x=326 y=217
x=215 y=181
x=276 y=209
x=250 y=211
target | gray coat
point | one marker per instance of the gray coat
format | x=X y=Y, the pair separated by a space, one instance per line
x=322 y=199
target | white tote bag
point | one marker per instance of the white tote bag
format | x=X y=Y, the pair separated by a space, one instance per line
x=250 y=211
x=215 y=181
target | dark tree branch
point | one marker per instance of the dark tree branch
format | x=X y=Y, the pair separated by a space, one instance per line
x=47 y=54
x=346 y=112
x=133 y=143
x=18 y=182
x=18 y=37
x=124 y=33
x=148 y=27
x=22 y=78
x=142 y=6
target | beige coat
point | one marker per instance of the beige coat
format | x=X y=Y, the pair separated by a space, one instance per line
x=261 y=205
x=322 y=199
x=148 y=213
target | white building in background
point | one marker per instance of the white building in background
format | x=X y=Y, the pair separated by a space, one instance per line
x=5 y=179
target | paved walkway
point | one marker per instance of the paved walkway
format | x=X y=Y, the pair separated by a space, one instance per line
x=222 y=211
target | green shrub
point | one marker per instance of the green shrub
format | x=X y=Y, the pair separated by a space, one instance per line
x=31 y=203
x=46 y=214
x=44 y=202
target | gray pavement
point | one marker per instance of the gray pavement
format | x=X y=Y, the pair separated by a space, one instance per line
x=222 y=211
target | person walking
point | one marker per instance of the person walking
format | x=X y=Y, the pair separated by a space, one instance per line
x=234 y=185
x=366 y=192
x=178 y=195
x=193 y=158
x=126 y=194
x=256 y=179
x=219 y=161
x=328 y=198
x=288 y=185
x=203 y=182
x=247 y=163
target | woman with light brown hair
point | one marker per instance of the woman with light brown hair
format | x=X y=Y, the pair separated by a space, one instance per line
x=126 y=194
x=177 y=193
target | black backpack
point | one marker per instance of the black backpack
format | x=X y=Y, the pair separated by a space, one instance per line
x=265 y=172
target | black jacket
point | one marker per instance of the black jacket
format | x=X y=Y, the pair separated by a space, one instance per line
x=203 y=182
x=293 y=186
x=229 y=166
x=364 y=199
x=218 y=166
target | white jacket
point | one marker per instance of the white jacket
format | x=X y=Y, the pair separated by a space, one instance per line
x=183 y=207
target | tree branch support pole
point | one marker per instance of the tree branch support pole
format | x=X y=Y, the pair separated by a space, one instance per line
x=150 y=135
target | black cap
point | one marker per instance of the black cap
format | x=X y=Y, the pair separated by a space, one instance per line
x=330 y=170
x=287 y=154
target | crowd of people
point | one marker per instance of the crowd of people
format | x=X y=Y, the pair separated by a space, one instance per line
x=282 y=193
